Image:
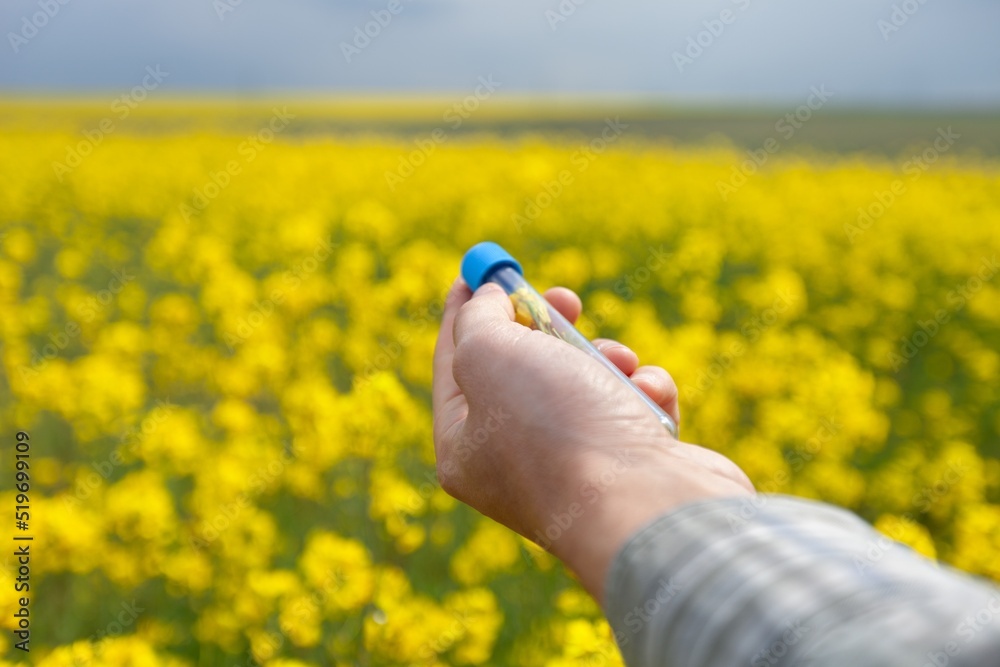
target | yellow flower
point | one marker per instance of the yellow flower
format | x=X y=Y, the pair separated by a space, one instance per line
x=907 y=531
x=490 y=549
x=221 y=347
x=339 y=569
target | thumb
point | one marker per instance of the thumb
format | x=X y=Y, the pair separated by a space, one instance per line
x=484 y=318
x=484 y=331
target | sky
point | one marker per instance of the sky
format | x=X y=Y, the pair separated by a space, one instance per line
x=901 y=53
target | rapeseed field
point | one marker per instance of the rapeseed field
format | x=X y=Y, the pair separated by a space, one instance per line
x=217 y=340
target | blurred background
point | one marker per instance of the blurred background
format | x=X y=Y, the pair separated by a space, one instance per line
x=227 y=228
x=901 y=54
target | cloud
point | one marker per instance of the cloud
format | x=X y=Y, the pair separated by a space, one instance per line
x=942 y=53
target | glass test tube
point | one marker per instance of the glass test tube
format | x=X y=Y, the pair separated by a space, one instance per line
x=488 y=262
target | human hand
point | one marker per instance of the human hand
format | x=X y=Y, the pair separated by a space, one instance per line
x=535 y=434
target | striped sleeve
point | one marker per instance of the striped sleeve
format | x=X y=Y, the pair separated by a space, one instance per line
x=775 y=581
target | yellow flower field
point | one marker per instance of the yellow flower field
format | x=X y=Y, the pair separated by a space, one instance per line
x=218 y=342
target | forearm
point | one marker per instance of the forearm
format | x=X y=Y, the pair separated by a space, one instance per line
x=617 y=497
x=773 y=580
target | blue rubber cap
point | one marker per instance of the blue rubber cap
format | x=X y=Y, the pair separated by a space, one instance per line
x=482 y=260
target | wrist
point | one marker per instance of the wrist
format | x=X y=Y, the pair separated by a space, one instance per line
x=615 y=494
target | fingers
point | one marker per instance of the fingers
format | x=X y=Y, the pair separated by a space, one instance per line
x=449 y=403
x=620 y=355
x=565 y=301
x=653 y=380
x=467 y=316
x=660 y=387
